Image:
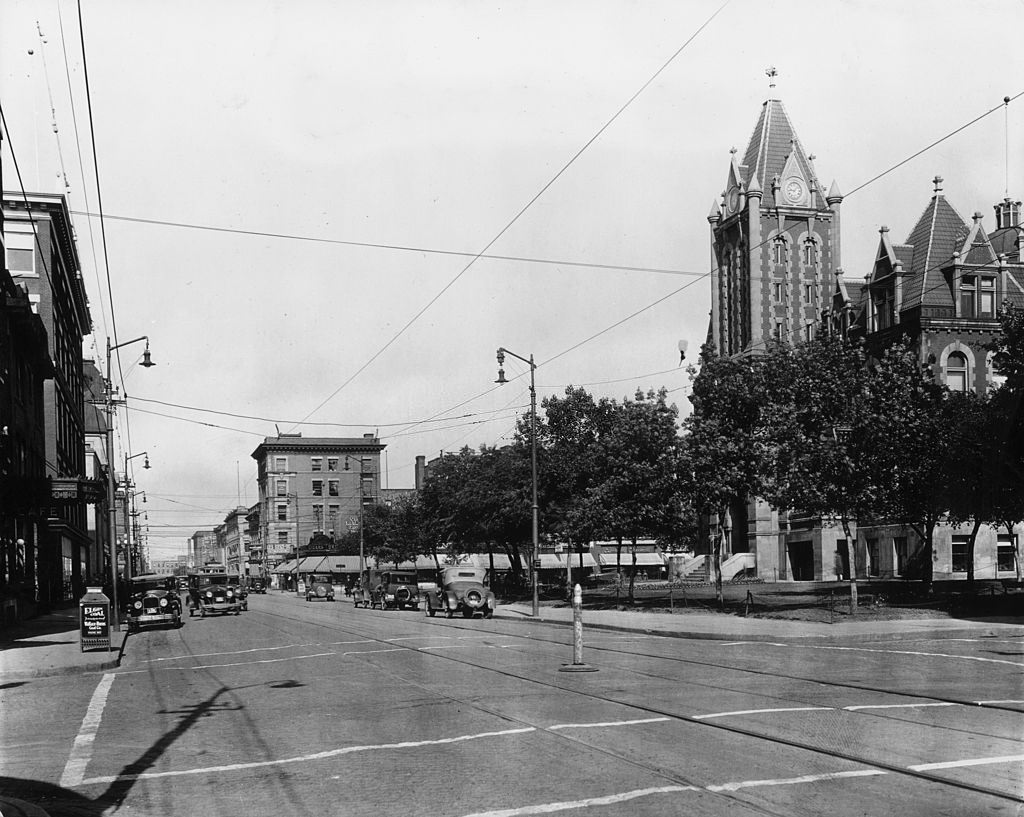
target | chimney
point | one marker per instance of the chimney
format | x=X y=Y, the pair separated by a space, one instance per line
x=1007 y=214
x=421 y=471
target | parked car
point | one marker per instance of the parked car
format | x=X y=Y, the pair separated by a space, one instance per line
x=153 y=601
x=367 y=592
x=318 y=586
x=257 y=585
x=241 y=590
x=399 y=590
x=461 y=590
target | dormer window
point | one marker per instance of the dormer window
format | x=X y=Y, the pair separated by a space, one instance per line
x=986 y=297
x=977 y=296
x=968 y=296
x=884 y=303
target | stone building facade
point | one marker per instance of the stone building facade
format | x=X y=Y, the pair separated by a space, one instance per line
x=775 y=235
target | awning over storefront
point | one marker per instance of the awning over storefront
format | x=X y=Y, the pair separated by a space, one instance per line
x=556 y=561
x=642 y=559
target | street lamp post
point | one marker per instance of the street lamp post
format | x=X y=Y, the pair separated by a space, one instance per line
x=533 y=461
x=111 y=509
x=362 y=559
x=298 y=545
x=129 y=565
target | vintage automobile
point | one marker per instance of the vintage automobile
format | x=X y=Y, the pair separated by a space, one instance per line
x=211 y=591
x=240 y=590
x=153 y=601
x=257 y=585
x=399 y=590
x=367 y=592
x=461 y=590
x=319 y=586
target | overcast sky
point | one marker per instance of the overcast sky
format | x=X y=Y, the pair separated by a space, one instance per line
x=431 y=126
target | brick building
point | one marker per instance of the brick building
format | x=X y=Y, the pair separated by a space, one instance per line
x=775 y=234
x=311 y=486
x=42 y=257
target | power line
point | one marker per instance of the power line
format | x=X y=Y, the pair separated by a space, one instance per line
x=396 y=247
x=707 y=274
x=299 y=422
x=519 y=214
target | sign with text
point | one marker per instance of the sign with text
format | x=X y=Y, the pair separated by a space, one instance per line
x=94 y=620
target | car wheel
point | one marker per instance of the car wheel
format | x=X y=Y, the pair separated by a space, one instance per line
x=202 y=612
x=449 y=613
x=430 y=611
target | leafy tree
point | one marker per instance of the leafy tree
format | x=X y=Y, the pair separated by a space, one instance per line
x=913 y=448
x=721 y=450
x=638 y=469
x=977 y=477
x=569 y=436
x=1008 y=420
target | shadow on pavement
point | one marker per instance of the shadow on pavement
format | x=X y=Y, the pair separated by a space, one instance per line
x=52 y=799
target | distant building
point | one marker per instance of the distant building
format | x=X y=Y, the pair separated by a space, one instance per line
x=314 y=485
x=98 y=520
x=202 y=548
x=235 y=540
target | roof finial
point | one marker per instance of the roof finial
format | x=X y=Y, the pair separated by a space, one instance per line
x=771 y=74
x=937 y=181
x=732 y=150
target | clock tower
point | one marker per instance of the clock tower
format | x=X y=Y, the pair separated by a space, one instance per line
x=775 y=241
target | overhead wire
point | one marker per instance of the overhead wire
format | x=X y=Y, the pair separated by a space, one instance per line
x=518 y=215
x=396 y=247
x=711 y=271
x=81 y=170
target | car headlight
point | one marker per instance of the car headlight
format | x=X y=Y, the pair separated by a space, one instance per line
x=209 y=594
x=137 y=605
x=163 y=602
x=230 y=593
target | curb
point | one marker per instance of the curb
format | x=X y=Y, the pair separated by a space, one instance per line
x=774 y=638
x=68 y=669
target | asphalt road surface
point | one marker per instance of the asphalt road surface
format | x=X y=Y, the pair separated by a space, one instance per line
x=309 y=708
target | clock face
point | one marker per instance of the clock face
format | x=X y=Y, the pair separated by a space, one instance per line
x=733 y=200
x=794 y=190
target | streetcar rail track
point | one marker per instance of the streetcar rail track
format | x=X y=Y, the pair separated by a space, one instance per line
x=919 y=771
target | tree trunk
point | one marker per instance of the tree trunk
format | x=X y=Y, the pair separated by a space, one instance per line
x=970 y=554
x=716 y=559
x=851 y=552
x=632 y=576
x=1016 y=551
x=929 y=567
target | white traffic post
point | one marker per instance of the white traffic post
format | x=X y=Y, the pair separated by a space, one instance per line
x=577 y=664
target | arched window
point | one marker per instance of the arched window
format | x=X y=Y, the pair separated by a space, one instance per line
x=779 y=250
x=810 y=252
x=956 y=371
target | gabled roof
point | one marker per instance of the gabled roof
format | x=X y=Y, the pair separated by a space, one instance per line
x=976 y=248
x=770 y=145
x=940 y=231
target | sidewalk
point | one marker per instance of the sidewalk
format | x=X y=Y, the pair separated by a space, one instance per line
x=724 y=627
x=49 y=645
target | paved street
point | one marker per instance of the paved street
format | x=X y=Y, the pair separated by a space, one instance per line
x=300 y=708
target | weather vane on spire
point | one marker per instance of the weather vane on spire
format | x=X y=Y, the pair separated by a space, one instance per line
x=771 y=73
